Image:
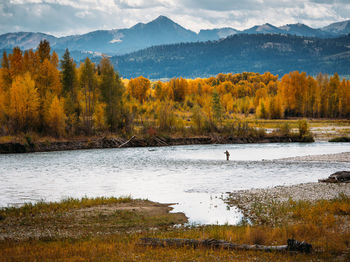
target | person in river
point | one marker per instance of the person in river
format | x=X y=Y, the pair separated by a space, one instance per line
x=227 y=155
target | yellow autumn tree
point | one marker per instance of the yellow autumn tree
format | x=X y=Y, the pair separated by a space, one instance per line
x=24 y=104
x=3 y=110
x=138 y=88
x=16 y=62
x=56 y=118
x=48 y=79
x=99 y=117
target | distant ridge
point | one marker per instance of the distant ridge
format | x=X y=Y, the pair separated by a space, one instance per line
x=339 y=28
x=304 y=30
x=276 y=53
x=263 y=29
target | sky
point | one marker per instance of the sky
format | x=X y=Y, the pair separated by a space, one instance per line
x=66 y=17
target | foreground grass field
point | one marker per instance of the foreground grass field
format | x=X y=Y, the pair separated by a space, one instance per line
x=109 y=229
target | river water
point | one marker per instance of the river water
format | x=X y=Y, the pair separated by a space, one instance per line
x=195 y=177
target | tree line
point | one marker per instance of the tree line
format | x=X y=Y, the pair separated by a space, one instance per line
x=40 y=93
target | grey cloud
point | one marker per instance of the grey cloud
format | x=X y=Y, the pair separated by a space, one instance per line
x=330 y=2
x=144 y=4
x=53 y=18
x=62 y=17
x=247 y=5
x=220 y=5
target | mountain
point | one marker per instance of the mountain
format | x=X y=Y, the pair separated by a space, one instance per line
x=304 y=30
x=216 y=34
x=339 y=28
x=263 y=29
x=278 y=54
x=25 y=40
x=118 y=41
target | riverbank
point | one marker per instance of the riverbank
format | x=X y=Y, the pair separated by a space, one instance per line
x=45 y=145
x=257 y=204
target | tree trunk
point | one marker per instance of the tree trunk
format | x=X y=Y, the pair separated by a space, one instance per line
x=292 y=245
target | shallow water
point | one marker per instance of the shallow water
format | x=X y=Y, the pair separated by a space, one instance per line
x=194 y=176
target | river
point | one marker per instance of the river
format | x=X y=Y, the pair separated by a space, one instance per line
x=195 y=176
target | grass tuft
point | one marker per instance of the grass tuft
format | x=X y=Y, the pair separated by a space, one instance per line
x=62 y=206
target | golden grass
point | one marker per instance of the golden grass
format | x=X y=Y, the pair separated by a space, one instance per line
x=64 y=205
x=125 y=248
x=324 y=224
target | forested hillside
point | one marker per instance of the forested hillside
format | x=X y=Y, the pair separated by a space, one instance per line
x=278 y=54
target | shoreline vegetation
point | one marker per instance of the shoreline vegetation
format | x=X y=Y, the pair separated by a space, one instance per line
x=105 y=229
x=27 y=145
x=249 y=131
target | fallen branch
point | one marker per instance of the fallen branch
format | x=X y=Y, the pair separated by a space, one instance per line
x=292 y=245
x=160 y=141
x=127 y=142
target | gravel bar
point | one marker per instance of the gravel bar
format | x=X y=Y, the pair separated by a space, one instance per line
x=340 y=157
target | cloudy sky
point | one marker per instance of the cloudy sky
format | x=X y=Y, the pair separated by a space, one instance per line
x=65 y=17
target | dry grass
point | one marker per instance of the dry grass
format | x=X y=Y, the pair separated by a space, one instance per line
x=75 y=219
x=324 y=224
x=125 y=248
x=29 y=209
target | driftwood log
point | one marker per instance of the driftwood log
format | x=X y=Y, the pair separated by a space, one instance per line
x=127 y=142
x=292 y=244
x=337 y=177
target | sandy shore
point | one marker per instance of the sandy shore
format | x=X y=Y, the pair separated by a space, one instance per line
x=133 y=216
x=340 y=157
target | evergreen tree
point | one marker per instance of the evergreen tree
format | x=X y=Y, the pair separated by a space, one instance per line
x=43 y=51
x=111 y=91
x=68 y=73
x=217 y=108
x=69 y=90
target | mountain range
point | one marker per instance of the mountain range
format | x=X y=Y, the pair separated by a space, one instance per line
x=160 y=31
